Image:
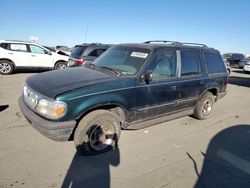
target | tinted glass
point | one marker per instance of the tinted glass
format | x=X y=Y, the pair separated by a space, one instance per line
x=163 y=64
x=189 y=64
x=96 y=52
x=4 y=45
x=214 y=63
x=126 y=60
x=77 y=52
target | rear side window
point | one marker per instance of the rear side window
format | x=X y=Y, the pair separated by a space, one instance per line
x=189 y=63
x=77 y=52
x=214 y=63
x=4 y=45
x=96 y=52
x=18 y=47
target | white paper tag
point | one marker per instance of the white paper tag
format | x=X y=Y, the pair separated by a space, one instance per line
x=139 y=54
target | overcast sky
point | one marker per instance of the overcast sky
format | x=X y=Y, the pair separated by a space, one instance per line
x=222 y=24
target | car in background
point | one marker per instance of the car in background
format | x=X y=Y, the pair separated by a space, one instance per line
x=228 y=67
x=16 y=55
x=243 y=62
x=86 y=53
x=233 y=58
x=246 y=68
x=63 y=50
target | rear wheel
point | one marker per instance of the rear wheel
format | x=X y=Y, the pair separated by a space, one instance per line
x=60 y=65
x=97 y=132
x=204 y=106
x=6 y=67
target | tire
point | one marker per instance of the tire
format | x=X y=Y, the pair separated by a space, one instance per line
x=97 y=132
x=228 y=71
x=6 y=67
x=60 y=65
x=204 y=106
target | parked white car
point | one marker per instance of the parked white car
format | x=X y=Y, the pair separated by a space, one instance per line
x=247 y=67
x=26 y=55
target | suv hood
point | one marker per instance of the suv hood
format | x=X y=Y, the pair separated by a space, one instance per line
x=60 y=57
x=53 y=83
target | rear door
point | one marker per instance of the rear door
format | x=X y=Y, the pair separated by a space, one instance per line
x=159 y=96
x=19 y=54
x=191 y=82
x=39 y=57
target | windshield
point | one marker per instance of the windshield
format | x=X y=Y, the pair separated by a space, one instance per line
x=125 y=60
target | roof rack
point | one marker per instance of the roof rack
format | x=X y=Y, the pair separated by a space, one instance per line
x=176 y=43
x=194 y=44
x=8 y=40
x=162 y=41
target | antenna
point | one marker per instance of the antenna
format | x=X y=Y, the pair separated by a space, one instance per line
x=86 y=34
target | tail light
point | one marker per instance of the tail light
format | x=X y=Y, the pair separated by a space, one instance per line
x=80 y=61
x=226 y=81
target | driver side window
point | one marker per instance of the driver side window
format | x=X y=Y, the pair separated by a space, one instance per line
x=163 y=65
x=36 y=50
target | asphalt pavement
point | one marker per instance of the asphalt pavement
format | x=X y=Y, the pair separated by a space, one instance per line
x=180 y=153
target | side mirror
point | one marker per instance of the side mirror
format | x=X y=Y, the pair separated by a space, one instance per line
x=47 y=52
x=148 y=77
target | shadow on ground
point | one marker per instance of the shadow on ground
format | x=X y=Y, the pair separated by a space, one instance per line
x=227 y=160
x=240 y=81
x=91 y=171
x=3 y=107
x=21 y=71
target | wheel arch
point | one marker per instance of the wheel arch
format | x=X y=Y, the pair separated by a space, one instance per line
x=58 y=61
x=214 y=91
x=117 y=109
x=6 y=59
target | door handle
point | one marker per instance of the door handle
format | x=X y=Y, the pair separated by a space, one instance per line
x=33 y=55
x=173 y=88
x=10 y=53
x=202 y=82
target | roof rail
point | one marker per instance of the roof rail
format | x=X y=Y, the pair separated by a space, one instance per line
x=176 y=43
x=194 y=44
x=162 y=41
x=8 y=40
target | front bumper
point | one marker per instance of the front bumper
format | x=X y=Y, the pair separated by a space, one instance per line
x=59 y=131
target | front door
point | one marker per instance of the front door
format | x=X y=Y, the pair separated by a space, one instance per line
x=39 y=57
x=159 y=96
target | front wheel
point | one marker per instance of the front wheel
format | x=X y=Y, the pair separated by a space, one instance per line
x=204 y=106
x=97 y=132
x=60 y=65
x=6 y=67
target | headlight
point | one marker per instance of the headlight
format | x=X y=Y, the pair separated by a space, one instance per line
x=51 y=109
x=48 y=108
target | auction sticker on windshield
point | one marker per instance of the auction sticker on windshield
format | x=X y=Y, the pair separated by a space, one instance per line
x=139 y=54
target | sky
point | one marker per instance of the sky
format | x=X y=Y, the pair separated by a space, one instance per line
x=221 y=24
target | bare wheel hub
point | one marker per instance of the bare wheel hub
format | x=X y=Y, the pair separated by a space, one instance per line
x=5 y=67
x=101 y=136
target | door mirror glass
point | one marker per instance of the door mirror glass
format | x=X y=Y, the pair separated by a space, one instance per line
x=47 y=52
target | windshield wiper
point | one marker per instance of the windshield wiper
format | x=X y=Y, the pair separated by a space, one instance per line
x=90 y=65
x=113 y=70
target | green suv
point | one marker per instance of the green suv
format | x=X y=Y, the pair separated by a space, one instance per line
x=130 y=86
